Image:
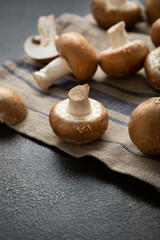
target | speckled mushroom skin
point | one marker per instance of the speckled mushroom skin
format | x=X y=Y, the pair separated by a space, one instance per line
x=152 y=10
x=78 y=131
x=152 y=68
x=106 y=17
x=144 y=127
x=125 y=60
x=12 y=107
x=79 y=53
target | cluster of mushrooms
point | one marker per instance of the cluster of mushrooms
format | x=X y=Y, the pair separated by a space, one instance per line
x=80 y=119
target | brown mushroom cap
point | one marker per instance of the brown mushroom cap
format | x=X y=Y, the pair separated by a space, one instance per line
x=152 y=68
x=12 y=107
x=107 y=14
x=144 y=127
x=124 y=60
x=152 y=10
x=79 y=54
x=155 y=32
x=78 y=129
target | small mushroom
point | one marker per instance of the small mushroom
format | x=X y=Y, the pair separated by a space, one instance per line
x=78 y=119
x=109 y=12
x=144 y=127
x=155 y=32
x=12 y=107
x=152 y=10
x=124 y=57
x=76 y=55
x=42 y=47
x=152 y=68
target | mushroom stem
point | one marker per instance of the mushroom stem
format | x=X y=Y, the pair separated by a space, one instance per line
x=118 y=2
x=117 y=35
x=47 y=30
x=51 y=72
x=79 y=104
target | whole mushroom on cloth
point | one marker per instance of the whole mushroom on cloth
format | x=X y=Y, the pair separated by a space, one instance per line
x=123 y=57
x=76 y=55
x=144 y=127
x=110 y=12
x=13 y=109
x=152 y=10
x=42 y=47
x=79 y=119
x=155 y=32
x=152 y=68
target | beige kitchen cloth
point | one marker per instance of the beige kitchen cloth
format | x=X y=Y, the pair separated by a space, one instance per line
x=120 y=97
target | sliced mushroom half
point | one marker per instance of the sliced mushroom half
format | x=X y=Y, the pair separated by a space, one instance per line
x=42 y=47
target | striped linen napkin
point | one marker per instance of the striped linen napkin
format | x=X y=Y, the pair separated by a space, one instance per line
x=119 y=96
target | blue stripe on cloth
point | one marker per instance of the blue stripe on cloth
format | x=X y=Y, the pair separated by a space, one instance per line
x=118 y=121
x=107 y=141
x=109 y=101
x=37 y=111
x=102 y=95
x=31 y=85
x=135 y=94
x=110 y=118
x=30 y=68
x=25 y=65
x=52 y=95
x=127 y=149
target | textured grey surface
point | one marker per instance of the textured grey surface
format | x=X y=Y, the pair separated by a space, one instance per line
x=46 y=194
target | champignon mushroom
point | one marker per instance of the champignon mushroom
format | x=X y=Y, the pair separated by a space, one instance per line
x=155 y=32
x=152 y=68
x=144 y=127
x=76 y=55
x=109 y=12
x=12 y=107
x=152 y=10
x=78 y=119
x=124 y=57
x=42 y=47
